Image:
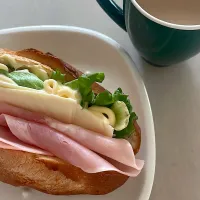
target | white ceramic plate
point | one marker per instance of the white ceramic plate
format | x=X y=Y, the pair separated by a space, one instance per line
x=92 y=51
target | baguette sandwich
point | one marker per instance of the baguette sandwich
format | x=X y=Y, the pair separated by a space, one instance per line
x=60 y=131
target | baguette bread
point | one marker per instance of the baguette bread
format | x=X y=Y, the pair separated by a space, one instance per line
x=49 y=174
x=53 y=176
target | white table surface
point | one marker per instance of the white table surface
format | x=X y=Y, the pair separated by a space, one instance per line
x=174 y=91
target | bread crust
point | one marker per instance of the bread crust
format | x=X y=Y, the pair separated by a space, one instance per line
x=53 y=176
x=50 y=174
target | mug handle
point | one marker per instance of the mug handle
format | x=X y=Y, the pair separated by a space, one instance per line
x=114 y=12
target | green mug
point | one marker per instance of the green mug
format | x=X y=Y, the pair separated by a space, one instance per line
x=159 y=42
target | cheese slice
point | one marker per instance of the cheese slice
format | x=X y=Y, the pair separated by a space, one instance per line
x=66 y=110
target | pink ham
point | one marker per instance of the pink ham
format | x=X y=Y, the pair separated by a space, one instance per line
x=109 y=147
x=120 y=153
x=65 y=148
x=116 y=149
x=21 y=113
x=9 y=141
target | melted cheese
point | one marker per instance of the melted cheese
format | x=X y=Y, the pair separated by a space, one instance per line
x=56 y=101
x=104 y=110
x=66 y=110
x=51 y=86
x=4 y=67
x=36 y=69
x=5 y=79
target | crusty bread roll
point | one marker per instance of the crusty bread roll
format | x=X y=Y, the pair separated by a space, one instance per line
x=53 y=176
x=49 y=174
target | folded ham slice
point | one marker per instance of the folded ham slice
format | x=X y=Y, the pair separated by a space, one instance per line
x=90 y=151
x=9 y=141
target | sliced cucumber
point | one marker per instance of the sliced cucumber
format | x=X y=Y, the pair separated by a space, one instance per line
x=122 y=115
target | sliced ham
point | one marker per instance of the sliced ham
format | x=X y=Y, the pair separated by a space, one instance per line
x=90 y=151
x=116 y=149
x=9 y=141
x=21 y=113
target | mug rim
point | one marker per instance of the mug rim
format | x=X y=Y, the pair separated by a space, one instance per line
x=162 y=22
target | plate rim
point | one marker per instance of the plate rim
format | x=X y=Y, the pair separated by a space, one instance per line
x=148 y=185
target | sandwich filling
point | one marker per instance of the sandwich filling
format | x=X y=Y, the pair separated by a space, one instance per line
x=41 y=113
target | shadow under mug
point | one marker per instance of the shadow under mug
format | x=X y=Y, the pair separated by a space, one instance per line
x=158 y=42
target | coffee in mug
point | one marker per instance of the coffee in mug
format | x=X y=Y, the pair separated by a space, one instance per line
x=174 y=11
x=164 y=32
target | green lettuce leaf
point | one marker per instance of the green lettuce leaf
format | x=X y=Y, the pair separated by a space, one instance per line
x=25 y=79
x=4 y=72
x=58 y=76
x=104 y=99
x=84 y=85
x=107 y=99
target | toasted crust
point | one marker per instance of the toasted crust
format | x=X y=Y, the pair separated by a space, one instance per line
x=53 y=176
x=49 y=174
